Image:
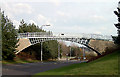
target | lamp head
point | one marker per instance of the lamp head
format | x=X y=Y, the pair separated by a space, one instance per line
x=47 y=25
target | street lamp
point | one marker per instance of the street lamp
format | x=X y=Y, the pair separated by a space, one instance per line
x=61 y=34
x=42 y=42
x=84 y=53
x=44 y=25
x=67 y=56
x=59 y=47
x=41 y=51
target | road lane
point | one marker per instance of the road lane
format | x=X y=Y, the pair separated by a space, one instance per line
x=32 y=68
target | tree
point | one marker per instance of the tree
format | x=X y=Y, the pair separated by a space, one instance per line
x=24 y=27
x=0 y=37
x=117 y=38
x=64 y=48
x=50 y=50
x=9 y=38
x=49 y=47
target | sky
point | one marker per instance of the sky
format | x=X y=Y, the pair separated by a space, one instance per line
x=65 y=16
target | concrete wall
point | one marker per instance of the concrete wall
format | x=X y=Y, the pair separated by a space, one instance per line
x=100 y=45
x=23 y=43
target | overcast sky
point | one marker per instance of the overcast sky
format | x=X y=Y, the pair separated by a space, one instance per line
x=66 y=16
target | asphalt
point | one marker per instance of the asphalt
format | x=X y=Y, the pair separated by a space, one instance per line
x=33 y=68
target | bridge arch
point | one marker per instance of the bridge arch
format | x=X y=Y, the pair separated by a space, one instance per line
x=26 y=42
x=28 y=39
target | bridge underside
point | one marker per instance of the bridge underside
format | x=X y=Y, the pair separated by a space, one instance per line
x=26 y=42
x=22 y=44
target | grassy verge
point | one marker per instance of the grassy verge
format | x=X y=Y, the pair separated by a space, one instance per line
x=107 y=65
x=18 y=60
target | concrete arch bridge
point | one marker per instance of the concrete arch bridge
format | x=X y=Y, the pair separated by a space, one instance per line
x=28 y=39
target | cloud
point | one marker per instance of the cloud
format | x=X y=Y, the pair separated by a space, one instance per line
x=64 y=16
x=17 y=8
x=76 y=16
x=55 y=2
x=92 y=1
x=60 y=13
x=97 y=18
x=32 y=21
x=22 y=8
x=77 y=29
x=44 y=20
x=41 y=18
x=16 y=24
x=97 y=32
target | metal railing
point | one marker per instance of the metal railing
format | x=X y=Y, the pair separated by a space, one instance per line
x=35 y=34
x=48 y=34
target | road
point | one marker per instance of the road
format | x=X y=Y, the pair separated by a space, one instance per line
x=32 y=68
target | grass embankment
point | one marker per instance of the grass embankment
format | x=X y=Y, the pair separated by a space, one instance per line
x=18 y=60
x=107 y=65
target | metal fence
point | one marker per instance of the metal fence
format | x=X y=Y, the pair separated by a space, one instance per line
x=49 y=34
x=35 y=34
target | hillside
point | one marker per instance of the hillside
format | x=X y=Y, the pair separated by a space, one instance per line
x=107 y=65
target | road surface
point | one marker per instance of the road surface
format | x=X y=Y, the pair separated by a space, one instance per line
x=33 y=68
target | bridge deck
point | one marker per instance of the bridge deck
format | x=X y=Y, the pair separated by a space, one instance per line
x=50 y=35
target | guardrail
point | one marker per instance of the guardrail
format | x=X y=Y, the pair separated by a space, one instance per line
x=48 y=34
x=35 y=34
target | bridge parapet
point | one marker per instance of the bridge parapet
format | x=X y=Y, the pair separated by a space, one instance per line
x=32 y=38
x=34 y=34
x=48 y=34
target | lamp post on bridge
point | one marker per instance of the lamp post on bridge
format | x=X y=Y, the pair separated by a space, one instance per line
x=59 y=47
x=42 y=42
x=41 y=51
x=44 y=25
x=58 y=51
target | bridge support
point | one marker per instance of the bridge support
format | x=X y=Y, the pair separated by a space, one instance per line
x=41 y=51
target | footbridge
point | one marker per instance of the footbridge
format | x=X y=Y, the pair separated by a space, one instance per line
x=28 y=39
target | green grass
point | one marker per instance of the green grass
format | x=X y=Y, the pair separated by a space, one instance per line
x=107 y=65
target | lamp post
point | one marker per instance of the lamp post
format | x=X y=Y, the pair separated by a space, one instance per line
x=42 y=42
x=41 y=51
x=44 y=25
x=59 y=47
x=84 y=53
x=67 y=57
